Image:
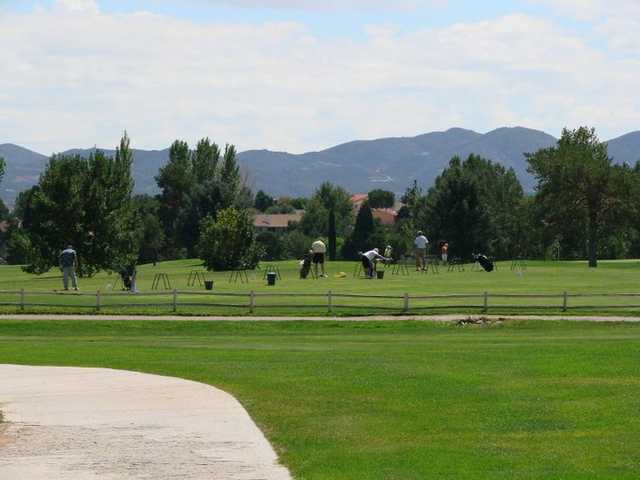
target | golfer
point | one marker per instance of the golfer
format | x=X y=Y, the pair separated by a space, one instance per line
x=68 y=263
x=420 y=244
x=444 y=251
x=319 y=250
x=368 y=259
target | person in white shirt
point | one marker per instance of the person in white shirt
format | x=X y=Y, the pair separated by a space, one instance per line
x=367 y=261
x=319 y=250
x=420 y=244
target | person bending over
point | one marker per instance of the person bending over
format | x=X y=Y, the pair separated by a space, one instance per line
x=368 y=259
x=68 y=263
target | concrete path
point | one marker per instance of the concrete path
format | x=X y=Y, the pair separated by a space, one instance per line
x=93 y=423
x=375 y=318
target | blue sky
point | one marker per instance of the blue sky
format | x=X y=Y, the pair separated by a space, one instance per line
x=347 y=21
x=299 y=75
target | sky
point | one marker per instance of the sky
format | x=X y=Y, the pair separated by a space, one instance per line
x=302 y=75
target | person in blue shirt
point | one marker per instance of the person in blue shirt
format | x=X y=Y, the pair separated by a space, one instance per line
x=68 y=264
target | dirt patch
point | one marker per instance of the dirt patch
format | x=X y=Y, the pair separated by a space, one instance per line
x=478 y=321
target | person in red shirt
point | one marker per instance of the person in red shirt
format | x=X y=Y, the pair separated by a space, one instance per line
x=444 y=251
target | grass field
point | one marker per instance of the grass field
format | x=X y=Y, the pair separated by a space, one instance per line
x=401 y=400
x=538 y=278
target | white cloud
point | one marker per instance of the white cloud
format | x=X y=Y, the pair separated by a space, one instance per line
x=78 y=6
x=618 y=21
x=279 y=86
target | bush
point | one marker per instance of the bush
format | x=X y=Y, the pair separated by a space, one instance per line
x=227 y=243
x=272 y=245
x=296 y=244
x=19 y=248
x=400 y=244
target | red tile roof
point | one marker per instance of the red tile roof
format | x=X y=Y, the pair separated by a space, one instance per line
x=276 y=220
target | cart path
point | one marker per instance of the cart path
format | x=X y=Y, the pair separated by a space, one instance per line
x=376 y=318
x=95 y=423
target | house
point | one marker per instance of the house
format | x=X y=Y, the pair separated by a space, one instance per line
x=276 y=222
x=386 y=216
x=358 y=199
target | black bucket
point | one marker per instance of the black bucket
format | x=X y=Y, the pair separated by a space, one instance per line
x=208 y=284
x=271 y=278
x=380 y=274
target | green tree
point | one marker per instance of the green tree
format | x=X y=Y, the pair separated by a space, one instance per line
x=176 y=181
x=149 y=228
x=360 y=239
x=272 y=245
x=500 y=207
x=332 y=234
x=314 y=222
x=205 y=160
x=227 y=242
x=263 y=201
x=280 y=208
x=204 y=196
x=381 y=198
x=296 y=244
x=109 y=215
x=4 y=211
x=194 y=185
x=453 y=210
x=579 y=185
x=3 y=166
x=501 y=195
x=298 y=203
x=232 y=184
x=411 y=199
x=83 y=202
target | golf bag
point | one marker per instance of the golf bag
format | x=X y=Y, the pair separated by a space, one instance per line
x=126 y=279
x=305 y=266
x=127 y=274
x=484 y=262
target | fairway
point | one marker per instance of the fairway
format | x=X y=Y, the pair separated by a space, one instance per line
x=539 y=278
x=405 y=400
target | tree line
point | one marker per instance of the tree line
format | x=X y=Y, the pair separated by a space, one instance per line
x=89 y=203
x=584 y=206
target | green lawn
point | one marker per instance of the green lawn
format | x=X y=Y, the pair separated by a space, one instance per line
x=539 y=278
x=400 y=400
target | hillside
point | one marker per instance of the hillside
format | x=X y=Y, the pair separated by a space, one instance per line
x=359 y=166
x=22 y=171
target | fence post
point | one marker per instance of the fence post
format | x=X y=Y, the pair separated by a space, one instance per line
x=406 y=302
x=22 y=299
x=564 y=302
x=98 y=300
x=175 y=300
x=329 y=301
x=485 y=309
x=252 y=301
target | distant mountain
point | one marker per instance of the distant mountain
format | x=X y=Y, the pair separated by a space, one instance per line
x=391 y=163
x=22 y=171
x=625 y=149
x=359 y=166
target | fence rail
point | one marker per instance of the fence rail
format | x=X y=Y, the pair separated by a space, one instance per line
x=406 y=302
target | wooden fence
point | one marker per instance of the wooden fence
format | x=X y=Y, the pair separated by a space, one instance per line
x=330 y=301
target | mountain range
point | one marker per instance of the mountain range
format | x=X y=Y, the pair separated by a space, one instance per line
x=359 y=166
